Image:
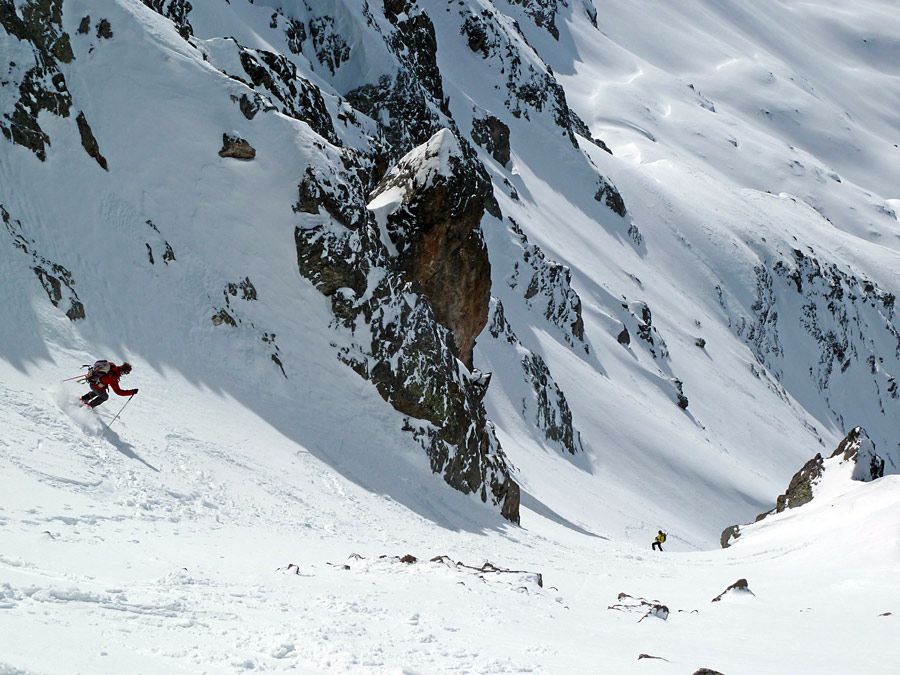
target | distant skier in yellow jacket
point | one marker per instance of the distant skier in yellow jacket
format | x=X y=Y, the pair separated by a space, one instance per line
x=660 y=539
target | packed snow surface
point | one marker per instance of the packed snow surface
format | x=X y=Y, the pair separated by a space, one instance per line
x=239 y=518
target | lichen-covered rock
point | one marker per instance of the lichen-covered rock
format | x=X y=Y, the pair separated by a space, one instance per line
x=236 y=147
x=431 y=205
x=856 y=447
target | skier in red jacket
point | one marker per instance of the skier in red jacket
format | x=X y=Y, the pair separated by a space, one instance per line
x=101 y=376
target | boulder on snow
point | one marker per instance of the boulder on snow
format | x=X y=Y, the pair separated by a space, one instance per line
x=236 y=147
x=739 y=586
x=104 y=30
x=729 y=533
x=707 y=671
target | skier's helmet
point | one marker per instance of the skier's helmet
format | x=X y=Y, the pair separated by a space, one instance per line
x=125 y=368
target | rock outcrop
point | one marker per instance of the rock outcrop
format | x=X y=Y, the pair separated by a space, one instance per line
x=431 y=205
x=56 y=280
x=377 y=266
x=546 y=407
x=36 y=74
x=856 y=447
x=492 y=135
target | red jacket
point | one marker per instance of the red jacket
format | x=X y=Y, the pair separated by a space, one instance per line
x=111 y=379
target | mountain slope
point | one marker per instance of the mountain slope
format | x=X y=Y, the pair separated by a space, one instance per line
x=434 y=274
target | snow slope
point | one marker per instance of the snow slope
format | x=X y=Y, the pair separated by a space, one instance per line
x=160 y=545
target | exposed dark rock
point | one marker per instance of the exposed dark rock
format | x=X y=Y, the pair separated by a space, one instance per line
x=642 y=318
x=680 y=399
x=858 y=448
x=55 y=279
x=88 y=142
x=530 y=85
x=436 y=231
x=84 y=26
x=648 y=656
x=42 y=86
x=415 y=44
x=543 y=13
x=104 y=30
x=551 y=412
x=700 y=342
x=839 y=323
x=609 y=195
x=408 y=559
x=739 y=586
x=330 y=47
x=395 y=340
x=707 y=671
x=295 y=32
x=251 y=105
x=729 y=533
x=624 y=338
x=236 y=147
x=222 y=316
x=647 y=608
x=582 y=129
x=412 y=120
x=493 y=135
x=298 y=97
x=246 y=288
x=175 y=10
x=800 y=489
x=549 y=287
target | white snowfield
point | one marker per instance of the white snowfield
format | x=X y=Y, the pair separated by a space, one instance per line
x=236 y=518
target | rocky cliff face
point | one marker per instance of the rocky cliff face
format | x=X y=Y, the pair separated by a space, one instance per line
x=431 y=204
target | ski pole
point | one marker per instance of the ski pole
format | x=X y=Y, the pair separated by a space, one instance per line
x=109 y=424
